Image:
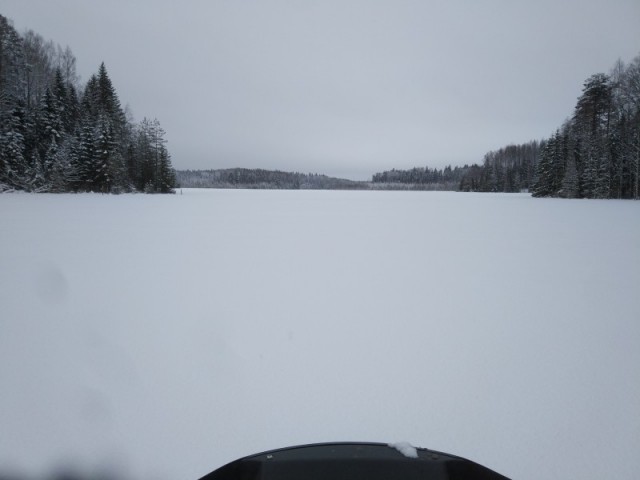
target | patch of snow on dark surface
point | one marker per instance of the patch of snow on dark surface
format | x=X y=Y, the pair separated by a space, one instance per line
x=406 y=449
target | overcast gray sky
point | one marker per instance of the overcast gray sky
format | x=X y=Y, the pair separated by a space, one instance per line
x=343 y=87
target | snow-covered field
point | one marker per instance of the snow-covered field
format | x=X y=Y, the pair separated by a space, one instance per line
x=162 y=336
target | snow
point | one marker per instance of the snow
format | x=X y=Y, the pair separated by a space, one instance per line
x=406 y=449
x=160 y=336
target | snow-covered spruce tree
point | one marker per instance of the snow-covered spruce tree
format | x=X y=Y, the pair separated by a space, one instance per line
x=602 y=187
x=12 y=161
x=104 y=156
x=618 y=131
x=49 y=125
x=103 y=138
x=90 y=100
x=550 y=169
x=12 y=112
x=542 y=183
x=166 y=174
x=570 y=185
x=82 y=164
x=150 y=160
x=634 y=149
x=591 y=117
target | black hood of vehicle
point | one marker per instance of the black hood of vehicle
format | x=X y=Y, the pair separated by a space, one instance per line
x=353 y=461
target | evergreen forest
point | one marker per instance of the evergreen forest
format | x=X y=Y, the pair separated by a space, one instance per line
x=596 y=152
x=58 y=135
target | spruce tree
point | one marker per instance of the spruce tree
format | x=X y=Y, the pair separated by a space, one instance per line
x=602 y=185
x=570 y=185
x=12 y=161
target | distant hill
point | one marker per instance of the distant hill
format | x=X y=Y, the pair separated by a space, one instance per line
x=414 y=179
x=263 y=179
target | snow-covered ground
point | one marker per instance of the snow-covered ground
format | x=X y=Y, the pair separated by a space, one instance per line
x=164 y=336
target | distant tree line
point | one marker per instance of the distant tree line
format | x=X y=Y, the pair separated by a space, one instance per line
x=509 y=169
x=59 y=136
x=419 y=178
x=596 y=153
x=263 y=179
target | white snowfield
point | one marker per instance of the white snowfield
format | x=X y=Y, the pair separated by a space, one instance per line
x=163 y=336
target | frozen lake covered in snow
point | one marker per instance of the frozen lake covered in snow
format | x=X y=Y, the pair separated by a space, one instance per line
x=163 y=336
